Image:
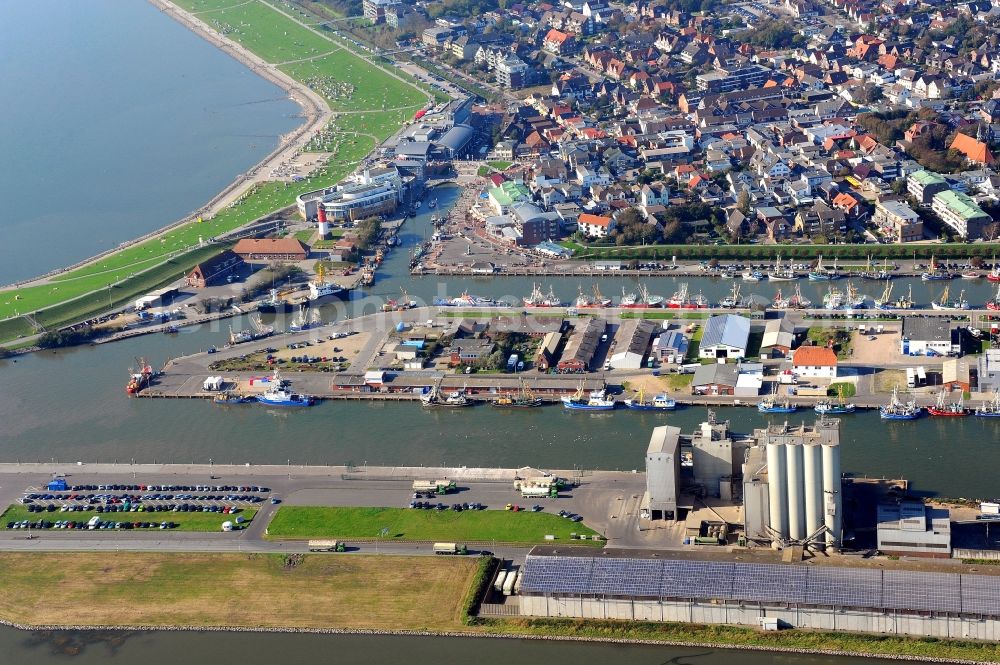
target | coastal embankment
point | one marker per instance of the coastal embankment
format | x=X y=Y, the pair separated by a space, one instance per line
x=315 y=112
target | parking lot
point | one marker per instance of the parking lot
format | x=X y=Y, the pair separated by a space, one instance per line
x=136 y=506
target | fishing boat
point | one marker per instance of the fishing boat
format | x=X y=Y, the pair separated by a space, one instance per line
x=994 y=302
x=828 y=407
x=799 y=301
x=681 y=299
x=596 y=401
x=821 y=274
x=279 y=395
x=599 y=299
x=875 y=274
x=453 y=400
x=582 y=299
x=935 y=273
x=400 y=304
x=945 y=304
x=994 y=274
x=139 y=379
x=733 y=299
x=233 y=398
x=648 y=299
x=989 y=409
x=538 y=299
x=898 y=410
x=257 y=331
x=886 y=301
x=770 y=404
x=854 y=299
x=752 y=275
x=780 y=274
x=629 y=300
x=780 y=302
x=945 y=409
x=659 y=403
x=833 y=299
x=273 y=304
x=523 y=399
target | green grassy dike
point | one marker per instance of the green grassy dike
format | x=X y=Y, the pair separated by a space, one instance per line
x=737 y=637
x=370 y=106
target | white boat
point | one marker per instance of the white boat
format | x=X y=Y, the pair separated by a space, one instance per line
x=733 y=299
x=781 y=302
x=780 y=274
x=752 y=275
x=945 y=304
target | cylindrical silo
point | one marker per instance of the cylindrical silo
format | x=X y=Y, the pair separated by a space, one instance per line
x=833 y=499
x=813 y=475
x=777 y=488
x=796 y=500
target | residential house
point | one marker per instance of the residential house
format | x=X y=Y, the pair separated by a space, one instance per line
x=815 y=362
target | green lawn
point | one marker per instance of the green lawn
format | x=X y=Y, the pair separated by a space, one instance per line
x=500 y=166
x=187 y=521
x=295 y=522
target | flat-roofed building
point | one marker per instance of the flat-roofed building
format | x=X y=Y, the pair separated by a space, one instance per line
x=898 y=221
x=923 y=185
x=663 y=472
x=910 y=528
x=961 y=213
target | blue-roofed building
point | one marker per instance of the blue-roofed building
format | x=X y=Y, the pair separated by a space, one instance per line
x=725 y=337
x=552 y=249
x=670 y=343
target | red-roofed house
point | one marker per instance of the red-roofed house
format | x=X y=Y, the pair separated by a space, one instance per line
x=815 y=362
x=848 y=203
x=595 y=226
x=559 y=42
x=974 y=150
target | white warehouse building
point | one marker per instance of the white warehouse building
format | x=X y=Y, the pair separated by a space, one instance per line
x=725 y=337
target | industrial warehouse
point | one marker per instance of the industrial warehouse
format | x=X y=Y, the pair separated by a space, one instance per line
x=644 y=585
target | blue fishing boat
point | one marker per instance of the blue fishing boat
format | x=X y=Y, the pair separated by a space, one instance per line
x=660 y=403
x=279 y=395
x=989 y=409
x=897 y=410
x=770 y=405
x=597 y=401
x=828 y=408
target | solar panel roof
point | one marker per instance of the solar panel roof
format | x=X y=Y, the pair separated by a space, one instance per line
x=799 y=584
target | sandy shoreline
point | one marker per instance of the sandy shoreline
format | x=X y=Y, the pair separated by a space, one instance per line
x=314 y=108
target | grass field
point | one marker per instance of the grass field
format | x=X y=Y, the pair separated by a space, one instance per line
x=408 y=524
x=234 y=590
x=829 y=642
x=187 y=521
x=377 y=102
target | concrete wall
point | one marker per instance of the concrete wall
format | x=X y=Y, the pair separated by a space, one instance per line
x=749 y=614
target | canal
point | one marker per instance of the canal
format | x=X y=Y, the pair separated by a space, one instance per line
x=202 y=648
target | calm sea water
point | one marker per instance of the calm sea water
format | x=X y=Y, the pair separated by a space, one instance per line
x=116 y=120
x=159 y=648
